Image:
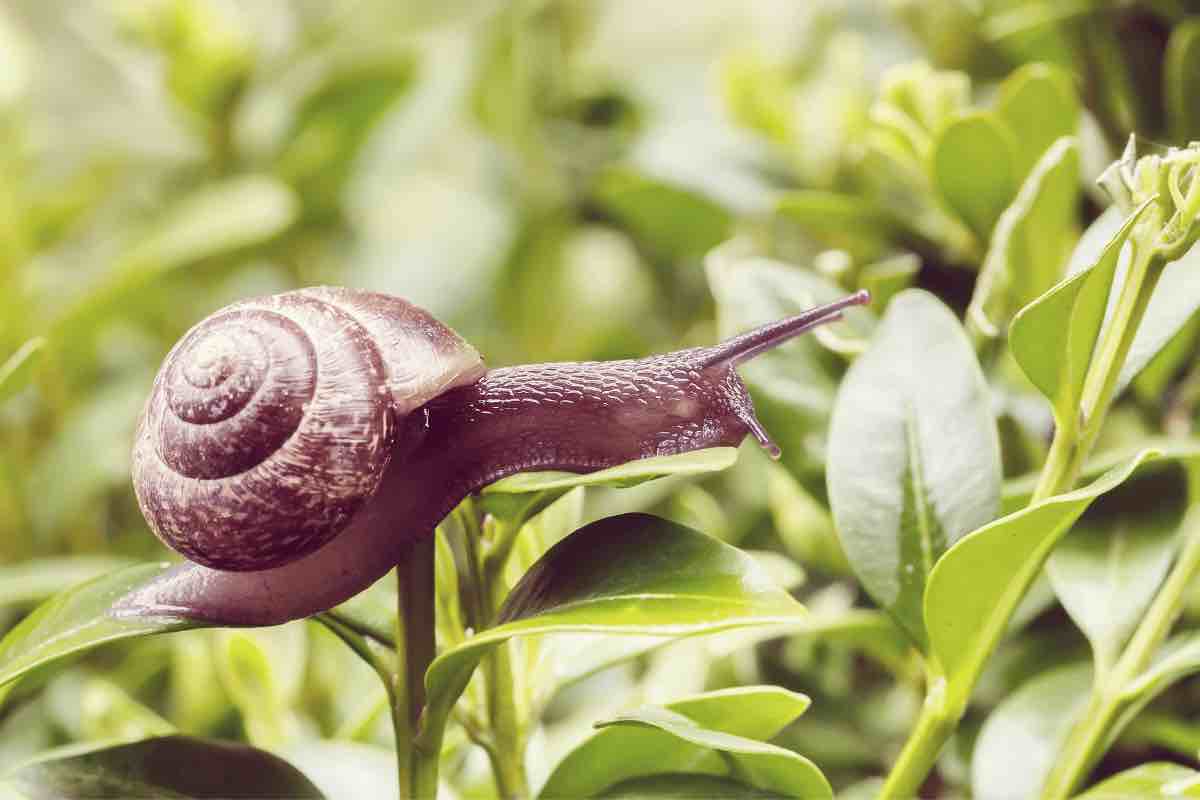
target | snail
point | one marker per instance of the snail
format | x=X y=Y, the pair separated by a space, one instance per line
x=294 y=446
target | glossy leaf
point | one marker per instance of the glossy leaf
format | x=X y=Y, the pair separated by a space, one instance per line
x=1021 y=738
x=77 y=620
x=1108 y=570
x=630 y=574
x=1031 y=242
x=1040 y=105
x=691 y=737
x=1181 y=81
x=914 y=458
x=168 y=766
x=1155 y=779
x=975 y=587
x=698 y=462
x=1053 y=337
x=975 y=169
x=18 y=367
x=762 y=766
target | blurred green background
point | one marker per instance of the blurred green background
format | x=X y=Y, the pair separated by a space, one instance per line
x=550 y=178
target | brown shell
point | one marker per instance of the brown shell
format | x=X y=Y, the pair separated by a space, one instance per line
x=271 y=422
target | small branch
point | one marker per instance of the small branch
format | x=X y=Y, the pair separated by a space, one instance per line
x=415 y=650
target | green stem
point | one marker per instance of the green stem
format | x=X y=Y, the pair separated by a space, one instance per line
x=1071 y=447
x=1090 y=737
x=934 y=726
x=415 y=650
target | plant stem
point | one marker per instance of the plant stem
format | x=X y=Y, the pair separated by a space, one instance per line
x=934 y=726
x=1071 y=446
x=1097 y=728
x=415 y=650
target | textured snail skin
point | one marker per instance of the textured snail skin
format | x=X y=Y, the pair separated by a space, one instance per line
x=473 y=430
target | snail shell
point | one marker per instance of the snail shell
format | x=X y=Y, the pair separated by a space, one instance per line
x=272 y=422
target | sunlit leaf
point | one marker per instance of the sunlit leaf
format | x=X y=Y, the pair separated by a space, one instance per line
x=1032 y=241
x=691 y=736
x=975 y=587
x=77 y=620
x=975 y=169
x=914 y=458
x=1054 y=336
x=630 y=574
x=673 y=221
x=1040 y=105
x=1155 y=779
x=33 y=581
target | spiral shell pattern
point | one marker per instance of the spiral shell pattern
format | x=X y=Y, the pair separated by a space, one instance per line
x=271 y=423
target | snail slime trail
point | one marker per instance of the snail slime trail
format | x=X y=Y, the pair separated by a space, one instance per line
x=294 y=446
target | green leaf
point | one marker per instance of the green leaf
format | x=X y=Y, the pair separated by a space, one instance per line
x=759 y=765
x=33 y=581
x=1019 y=741
x=1178 y=658
x=975 y=169
x=1040 y=105
x=168 y=766
x=914 y=457
x=1053 y=337
x=1106 y=571
x=975 y=587
x=1174 y=303
x=675 y=223
x=629 y=574
x=17 y=368
x=698 y=462
x=335 y=121
x=682 y=787
x=77 y=620
x=688 y=736
x=840 y=221
x=218 y=219
x=1031 y=242
x=1181 y=81
x=1155 y=779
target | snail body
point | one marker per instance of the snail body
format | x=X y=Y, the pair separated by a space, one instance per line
x=294 y=447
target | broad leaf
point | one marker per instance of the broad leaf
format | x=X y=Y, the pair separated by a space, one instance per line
x=1107 y=570
x=1021 y=738
x=629 y=574
x=914 y=458
x=758 y=765
x=689 y=736
x=1040 y=105
x=1053 y=337
x=697 y=462
x=18 y=367
x=77 y=620
x=1155 y=779
x=840 y=221
x=976 y=586
x=675 y=222
x=1181 y=81
x=682 y=787
x=169 y=766
x=33 y=581
x=1031 y=241
x=975 y=169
